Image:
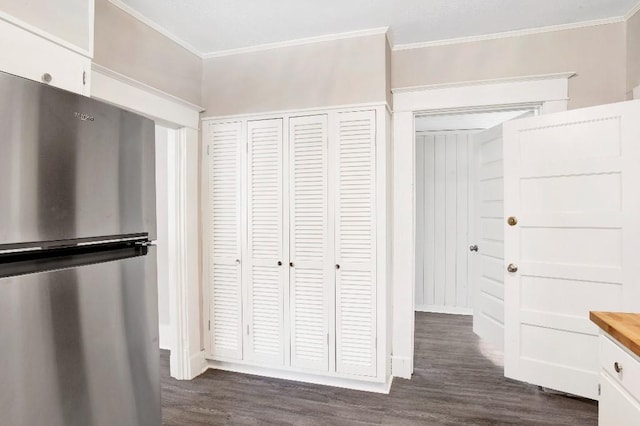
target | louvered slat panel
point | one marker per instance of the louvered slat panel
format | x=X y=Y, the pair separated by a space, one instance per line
x=355 y=244
x=225 y=237
x=308 y=242
x=266 y=279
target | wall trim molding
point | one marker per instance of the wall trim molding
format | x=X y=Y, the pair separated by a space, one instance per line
x=483 y=82
x=164 y=337
x=143 y=86
x=340 y=382
x=50 y=37
x=297 y=42
x=159 y=28
x=125 y=92
x=297 y=112
x=549 y=94
x=636 y=93
x=635 y=9
x=509 y=34
x=402 y=366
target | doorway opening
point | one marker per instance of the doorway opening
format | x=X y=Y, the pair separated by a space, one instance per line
x=459 y=215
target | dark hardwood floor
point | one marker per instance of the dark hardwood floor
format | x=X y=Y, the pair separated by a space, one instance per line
x=457 y=381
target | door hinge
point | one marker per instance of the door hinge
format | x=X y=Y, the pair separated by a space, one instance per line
x=376 y=342
x=327 y=339
x=599 y=389
x=84 y=78
x=247 y=329
x=209 y=324
x=207 y=149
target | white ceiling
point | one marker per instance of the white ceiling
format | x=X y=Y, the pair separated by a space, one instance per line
x=464 y=121
x=216 y=25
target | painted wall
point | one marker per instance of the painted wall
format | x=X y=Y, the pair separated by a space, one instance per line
x=162 y=208
x=69 y=20
x=633 y=54
x=329 y=73
x=126 y=45
x=442 y=222
x=596 y=54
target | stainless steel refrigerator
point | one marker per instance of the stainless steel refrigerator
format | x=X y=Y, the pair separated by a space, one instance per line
x=78 y=294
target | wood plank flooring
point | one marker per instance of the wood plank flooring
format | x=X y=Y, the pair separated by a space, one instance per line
x=457 y=381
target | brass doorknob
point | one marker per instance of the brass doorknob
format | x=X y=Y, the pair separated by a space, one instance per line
x=512 y=268
x=512 y=221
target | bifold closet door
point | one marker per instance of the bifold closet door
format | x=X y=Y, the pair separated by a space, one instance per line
x=310 y=278
x=355 y=242
x=225 y=176
x=264 y=267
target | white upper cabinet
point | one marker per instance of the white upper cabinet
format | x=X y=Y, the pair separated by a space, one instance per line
x=48 y=41
x=310 y=273
x=224 y=227
x=355 y=245
x=265 y=261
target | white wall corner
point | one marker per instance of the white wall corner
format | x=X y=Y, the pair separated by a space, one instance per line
x=401 y=366
x=164 y=335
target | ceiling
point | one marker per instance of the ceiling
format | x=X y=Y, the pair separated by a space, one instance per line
x=465 y=121
x=216 y=25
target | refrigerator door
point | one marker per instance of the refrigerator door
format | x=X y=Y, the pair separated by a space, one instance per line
x=80 y=345
x=72 y=167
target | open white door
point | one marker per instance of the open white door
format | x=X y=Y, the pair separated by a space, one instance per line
x=487 y=249
x=571 y=181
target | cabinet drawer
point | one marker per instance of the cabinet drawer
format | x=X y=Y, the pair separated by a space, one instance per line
x=612 y=358
x=616 y=407
x=30 y=56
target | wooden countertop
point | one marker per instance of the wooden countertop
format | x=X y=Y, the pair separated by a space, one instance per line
x=624 y=327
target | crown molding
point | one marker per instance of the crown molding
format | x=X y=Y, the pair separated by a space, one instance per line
x=297 y=42
x=162 y=30
x=566 y=75
x=635 y=9
x=509 y=34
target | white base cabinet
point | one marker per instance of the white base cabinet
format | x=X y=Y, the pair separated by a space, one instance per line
x=619 y=403
x=297 y=245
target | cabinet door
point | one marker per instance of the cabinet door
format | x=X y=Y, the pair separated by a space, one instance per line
x=225 y=147
x=355 y=242
x=264 y=269
x=310 y=278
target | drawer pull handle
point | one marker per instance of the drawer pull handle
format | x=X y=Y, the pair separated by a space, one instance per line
x=617 y=367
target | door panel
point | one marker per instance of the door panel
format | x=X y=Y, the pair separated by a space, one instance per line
x=83 y=345
x=571 y=181
x=486 y=263
x=310 y=276
x=225 y=171
x=265 y=276
x=355 y=244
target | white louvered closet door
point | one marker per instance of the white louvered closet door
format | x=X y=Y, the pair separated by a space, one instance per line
x=310 y=277
x=264 y=269
x=355 y=245
x=225 y=148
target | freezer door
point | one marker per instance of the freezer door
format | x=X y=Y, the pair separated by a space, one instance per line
x=80 y=346
x=71 y=167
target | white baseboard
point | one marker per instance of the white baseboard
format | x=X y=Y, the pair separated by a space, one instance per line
x=401 y=366
x=164 y=337
x=339 y=382
x=636 y=93
x=444 y=309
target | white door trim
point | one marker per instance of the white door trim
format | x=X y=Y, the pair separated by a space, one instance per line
x=187 y=357
x=549 y=92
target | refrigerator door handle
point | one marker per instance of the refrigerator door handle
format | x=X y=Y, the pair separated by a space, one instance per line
x=146 y=243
